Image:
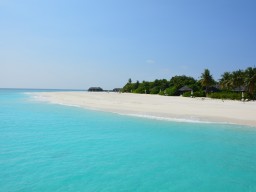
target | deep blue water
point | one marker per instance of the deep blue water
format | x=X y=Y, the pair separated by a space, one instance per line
x=47 y=147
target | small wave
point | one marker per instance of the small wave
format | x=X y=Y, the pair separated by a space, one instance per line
x=182 y=120
x=39 y=97
x=69 y=105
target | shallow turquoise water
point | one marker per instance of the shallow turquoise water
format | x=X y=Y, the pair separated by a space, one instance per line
x=46 y=147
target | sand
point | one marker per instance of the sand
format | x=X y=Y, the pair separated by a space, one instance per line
x=160 y=107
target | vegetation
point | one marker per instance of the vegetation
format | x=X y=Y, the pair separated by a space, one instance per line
x=230 y=85
x=250 y=80
x=206 y=80
x=244 y=79
x=228 y=95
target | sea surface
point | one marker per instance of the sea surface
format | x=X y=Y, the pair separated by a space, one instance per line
x=53 y=148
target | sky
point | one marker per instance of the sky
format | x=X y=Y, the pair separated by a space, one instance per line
x=80 y=43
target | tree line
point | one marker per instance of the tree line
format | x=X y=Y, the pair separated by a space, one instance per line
x=229 y=86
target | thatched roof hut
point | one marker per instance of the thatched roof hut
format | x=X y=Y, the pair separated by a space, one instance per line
x=212 y=89
x=95 y=89
x=240 y=89
x=185 y=89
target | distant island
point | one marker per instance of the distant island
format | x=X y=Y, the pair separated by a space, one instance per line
x=236 y=85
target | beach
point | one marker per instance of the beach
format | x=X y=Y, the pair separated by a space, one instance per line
x=159 y=107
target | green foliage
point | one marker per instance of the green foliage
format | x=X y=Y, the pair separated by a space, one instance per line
x=164 y=84
x=161 y=93
x=199 y=94
x=195 y=87
x=240 y=78
x=127 y=88
x=187 y=94
x=237 y=78
x=228 y=82
x=227 y=95
x=155 y=90
x=250 y=81
x=206 y=80
x=180 y=81
x=140 y=89
x=172 y=91
x=136 y=85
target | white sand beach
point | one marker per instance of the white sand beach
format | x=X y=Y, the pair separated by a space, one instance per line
x=162 y=107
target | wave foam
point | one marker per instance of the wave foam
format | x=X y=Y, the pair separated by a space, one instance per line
x=182 y=120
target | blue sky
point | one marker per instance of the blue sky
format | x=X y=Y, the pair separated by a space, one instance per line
x=77 y=44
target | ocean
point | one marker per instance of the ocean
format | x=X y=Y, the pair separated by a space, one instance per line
x=48 y=147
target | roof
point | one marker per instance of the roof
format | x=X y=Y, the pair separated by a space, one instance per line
x=215 y=88
x=240 y=89
x=185 y=88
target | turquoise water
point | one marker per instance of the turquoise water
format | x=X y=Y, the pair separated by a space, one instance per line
x=46 y=147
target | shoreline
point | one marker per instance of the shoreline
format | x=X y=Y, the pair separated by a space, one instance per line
x=179 y=109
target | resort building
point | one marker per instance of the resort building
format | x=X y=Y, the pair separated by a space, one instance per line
x=185 y=89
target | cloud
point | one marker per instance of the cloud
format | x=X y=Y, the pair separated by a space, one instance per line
x=150 y=61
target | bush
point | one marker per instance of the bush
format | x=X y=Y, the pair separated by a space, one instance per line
x=186 y=94
x=140 y=90
x=172 y=91
x=154 y=90
x=199 y=94
x=227 y=95
x=195 y=94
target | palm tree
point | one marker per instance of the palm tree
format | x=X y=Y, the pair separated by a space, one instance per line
x=250 y=80
x=226 y=81
x=206 y=80
x=238 y=78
